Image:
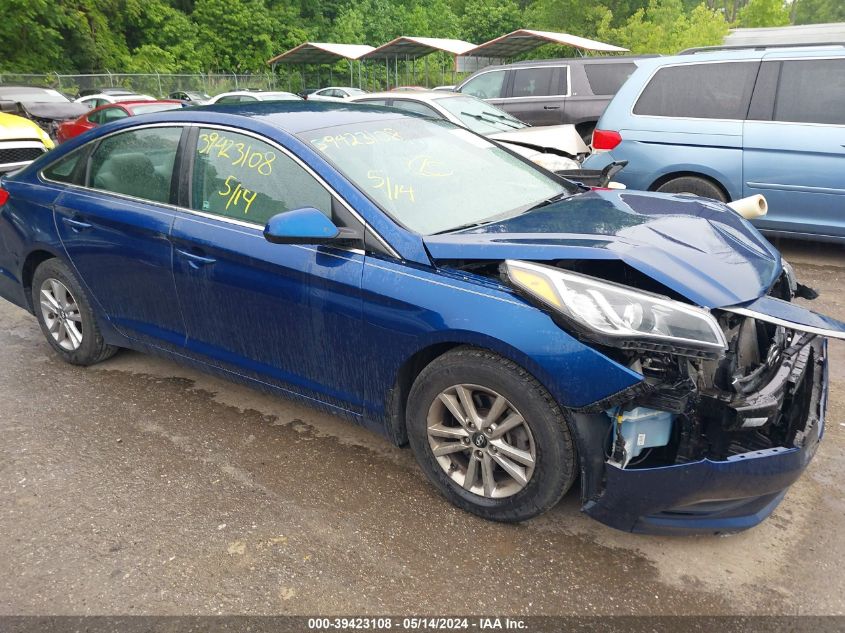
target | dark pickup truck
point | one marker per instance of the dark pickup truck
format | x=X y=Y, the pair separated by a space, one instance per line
x=555 y=91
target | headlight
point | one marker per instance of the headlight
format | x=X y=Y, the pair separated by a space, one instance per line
x=620 y=316
x=553 y=162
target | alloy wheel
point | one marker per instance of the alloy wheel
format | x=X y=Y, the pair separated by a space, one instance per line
x=481 y=441
x=61 y=314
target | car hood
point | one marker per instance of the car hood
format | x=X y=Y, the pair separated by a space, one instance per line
x=54 y=111
x=563 y=138
x=699 y=248
x=13 y=127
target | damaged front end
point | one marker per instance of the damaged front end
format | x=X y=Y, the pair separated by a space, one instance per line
x=711 y=438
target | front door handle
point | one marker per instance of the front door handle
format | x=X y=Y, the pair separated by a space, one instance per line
x=194 y=260
x=557 y=107
x=76 y=225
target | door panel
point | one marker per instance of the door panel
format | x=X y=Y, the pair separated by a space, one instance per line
x=285 y=314
x=797 y=159
x=116 y=233
x=122 y=252
x=537 y=95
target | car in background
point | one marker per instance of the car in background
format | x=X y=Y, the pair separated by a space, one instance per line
x=450 y=88
x=734 y=123
x=552 y=92
x=190 y=97
x=45 y=106
x=557 y=148
x=112 y=112
x=108 y=91
x=21 y=142
x=335 y=93
x=102 y=98
x=421 y=281
x=247 y=96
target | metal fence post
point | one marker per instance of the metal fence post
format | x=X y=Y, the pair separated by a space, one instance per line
x=111 y=79
x=160 y=91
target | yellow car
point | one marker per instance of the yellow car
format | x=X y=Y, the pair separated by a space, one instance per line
x=21 y=142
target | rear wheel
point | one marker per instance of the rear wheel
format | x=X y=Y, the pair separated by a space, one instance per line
x=489 y=436
x=695 y=186
x=65 y=315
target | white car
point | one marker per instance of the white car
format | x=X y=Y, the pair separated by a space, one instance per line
x=554 y=147
x=102 y=98
x=335 y=93
x=245 y=96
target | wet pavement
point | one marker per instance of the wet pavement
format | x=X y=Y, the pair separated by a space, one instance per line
x=139 y=486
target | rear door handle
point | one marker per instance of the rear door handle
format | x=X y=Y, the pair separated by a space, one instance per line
x=551 y=107
x=194 y=260
x=76 y=225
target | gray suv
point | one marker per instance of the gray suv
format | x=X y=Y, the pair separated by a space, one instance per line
x=555 y=91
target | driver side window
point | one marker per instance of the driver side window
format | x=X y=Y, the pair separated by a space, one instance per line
x=240 y=177
x=486 y=85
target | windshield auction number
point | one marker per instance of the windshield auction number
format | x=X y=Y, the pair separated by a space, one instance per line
x=240 y=154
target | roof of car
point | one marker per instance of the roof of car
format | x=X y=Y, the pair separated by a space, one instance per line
x=739 y=54
x=419 y=95
x=292 y=117
x=607 y=59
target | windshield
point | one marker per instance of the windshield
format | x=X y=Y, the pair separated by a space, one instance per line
x=155 y=107
x=432 y=176
x=479 y=116
x=32 y=95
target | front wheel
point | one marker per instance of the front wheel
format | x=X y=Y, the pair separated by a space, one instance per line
x=489 y=436
x=65 y=315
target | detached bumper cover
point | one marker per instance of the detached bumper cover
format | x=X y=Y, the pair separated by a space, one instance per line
x=715 y=496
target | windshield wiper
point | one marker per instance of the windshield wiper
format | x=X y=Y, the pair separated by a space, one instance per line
x=548 y=201
x=499 y=118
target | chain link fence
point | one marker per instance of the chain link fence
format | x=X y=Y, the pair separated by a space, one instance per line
x=155 y=84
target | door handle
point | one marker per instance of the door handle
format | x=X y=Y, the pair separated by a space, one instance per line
x=551 y=107
x=76 y=225
x=194 y=260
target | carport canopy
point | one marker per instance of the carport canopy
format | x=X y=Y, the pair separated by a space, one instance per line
x=418 y=47
x=524 y=40
x=321 y=53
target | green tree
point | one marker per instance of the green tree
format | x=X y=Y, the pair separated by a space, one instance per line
x=818 y=11
x=665 y=27
x=484 y=20
x=763 y=13
x=31 y=38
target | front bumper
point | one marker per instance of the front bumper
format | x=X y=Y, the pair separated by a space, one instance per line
x=715 y=496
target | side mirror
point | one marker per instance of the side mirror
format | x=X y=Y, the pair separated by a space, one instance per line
x=301 y=226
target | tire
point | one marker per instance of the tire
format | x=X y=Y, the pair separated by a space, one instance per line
x=67 y=320
x=695 y=186
x=544 y=433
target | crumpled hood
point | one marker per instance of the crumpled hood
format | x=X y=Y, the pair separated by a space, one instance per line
x=55 y=111
x=699 y=248
x=564 y=138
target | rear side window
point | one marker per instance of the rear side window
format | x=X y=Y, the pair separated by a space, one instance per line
x=811 y=91
x=534 y=82
x=701 y=91
x=138 y=163
x=607 y=79
x=415 y=106
x=486 y=85
x=243 y=178
x=66 y=169
x=107 y=115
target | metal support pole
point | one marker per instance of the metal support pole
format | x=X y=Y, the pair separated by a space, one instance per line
x=396 y=69
x=349 y=63
x=425 y=63
x=387 y=66
x=359 y=74
x=160 y=91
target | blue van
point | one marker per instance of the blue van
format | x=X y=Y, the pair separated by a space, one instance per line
x=734 y=123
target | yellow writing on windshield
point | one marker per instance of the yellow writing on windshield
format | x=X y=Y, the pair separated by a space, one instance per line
x=239 y=154
x=237 y=194
x=394 y=190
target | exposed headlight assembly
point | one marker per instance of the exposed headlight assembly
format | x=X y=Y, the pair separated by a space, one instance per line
x=619 y=316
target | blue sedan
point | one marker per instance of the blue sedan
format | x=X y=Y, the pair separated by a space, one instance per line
x=516 y=329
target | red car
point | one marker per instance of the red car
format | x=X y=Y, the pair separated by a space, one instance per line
x=109 y=113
